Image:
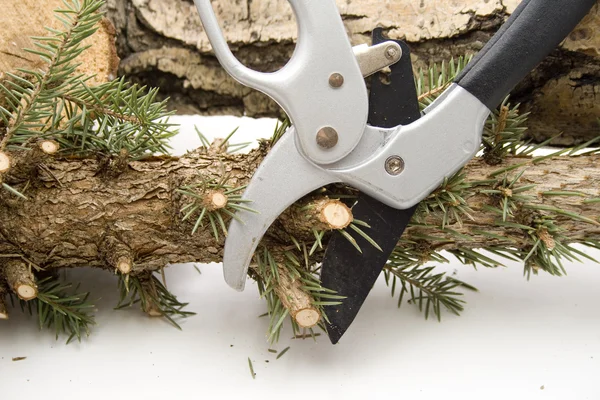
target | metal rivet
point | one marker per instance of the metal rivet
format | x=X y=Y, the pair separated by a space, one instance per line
x=336 y=80
x=391 y=52
x=394 y=165
x=327 y=137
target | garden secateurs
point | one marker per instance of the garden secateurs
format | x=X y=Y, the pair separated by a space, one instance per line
x=336 y=136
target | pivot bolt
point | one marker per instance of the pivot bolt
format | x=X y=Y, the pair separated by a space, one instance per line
x=394 y=165
x=327 y=137
x=336 y=80
x=391 y=52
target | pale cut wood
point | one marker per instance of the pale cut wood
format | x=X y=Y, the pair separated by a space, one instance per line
x=49 y=146
x=117 y=254
x=4 y=162
x=336 y=214
x=307 y=318
x=215 y=200
x=125 y=264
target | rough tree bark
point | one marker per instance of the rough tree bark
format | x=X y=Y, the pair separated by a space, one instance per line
x=162 y=43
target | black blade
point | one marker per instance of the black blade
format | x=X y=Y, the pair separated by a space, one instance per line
x=393 y=101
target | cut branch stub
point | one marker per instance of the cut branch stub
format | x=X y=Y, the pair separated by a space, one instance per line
x=117 y=254
x=4 y=162
x=218 y=146
x=318 y=213
x=335 y=214
x=307 y=318
x=20 y=279
x=296 y=300
x=49 y=146
x=150 y=303
x=215 y=200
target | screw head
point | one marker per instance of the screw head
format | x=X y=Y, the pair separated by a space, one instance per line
x=336 y=80
x=391 y=52
x=327 y=137
x=394 y=165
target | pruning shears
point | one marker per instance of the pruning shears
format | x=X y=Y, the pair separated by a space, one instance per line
x=383 y=146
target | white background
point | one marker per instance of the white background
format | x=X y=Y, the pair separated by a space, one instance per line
x=532 y=340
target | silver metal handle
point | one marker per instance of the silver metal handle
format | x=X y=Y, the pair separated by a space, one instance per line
x=302 y=87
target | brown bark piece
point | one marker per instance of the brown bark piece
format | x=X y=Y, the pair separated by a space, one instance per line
x=20 y=279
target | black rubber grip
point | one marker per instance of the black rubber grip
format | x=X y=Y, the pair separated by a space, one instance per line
x=533 y=30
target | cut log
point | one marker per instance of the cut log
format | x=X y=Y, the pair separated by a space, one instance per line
x=20 y=20
x=162 y=42
x=80 y=209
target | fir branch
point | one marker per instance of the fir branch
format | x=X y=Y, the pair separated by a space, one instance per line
x=59 y=308
x=31 y=102
x=290 y=285
x=153 y=297
x=427 y=290
x=503 y=133
x=280 y=128
x=215 y=200
x=437 y=78
x=115 y=119
x=449 y=201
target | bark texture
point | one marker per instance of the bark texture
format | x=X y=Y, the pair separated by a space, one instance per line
x=73 y=209
x=163 y=43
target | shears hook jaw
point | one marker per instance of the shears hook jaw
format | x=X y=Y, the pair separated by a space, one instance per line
x=269 y=202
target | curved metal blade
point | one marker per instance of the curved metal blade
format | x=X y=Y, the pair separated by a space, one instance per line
x=344 y=269
x=283 y=177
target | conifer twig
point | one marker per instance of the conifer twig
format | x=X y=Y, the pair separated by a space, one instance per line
x=20 y=279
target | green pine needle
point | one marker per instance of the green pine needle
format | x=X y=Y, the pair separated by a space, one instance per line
x=61 y=308
x=432 y=293
x=150 y=293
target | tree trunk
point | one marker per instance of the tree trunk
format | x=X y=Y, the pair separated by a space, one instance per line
x=162 y=43
x=75 y=215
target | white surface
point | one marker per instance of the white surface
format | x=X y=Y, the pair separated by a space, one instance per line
x=513 y=338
